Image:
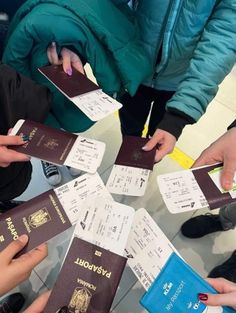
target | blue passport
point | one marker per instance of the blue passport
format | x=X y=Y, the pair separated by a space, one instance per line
x=176 y=289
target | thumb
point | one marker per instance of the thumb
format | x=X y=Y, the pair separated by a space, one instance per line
x=227 y=299
x=227 y=174
x=13 y=248
x=151 y=144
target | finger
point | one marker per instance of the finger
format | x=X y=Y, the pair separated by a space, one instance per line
x=152 y=143
x=66 y=61
x=78 y=66
x=4 y=164
x=222 y=285
x=52 y=54
x=227 y=174
x=11 y=140
x=9 y=155
x=13 y=248
x=218 y=299
x=162 y=151
x=39 y=304
x=9 y=131
x=33 y=258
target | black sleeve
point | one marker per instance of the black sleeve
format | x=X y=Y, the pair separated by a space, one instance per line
x=21 y=98
x=174 y=121
x=232 y=125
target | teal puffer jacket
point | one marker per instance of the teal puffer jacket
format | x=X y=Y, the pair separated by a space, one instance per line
x=115 y=54
x=198 y=48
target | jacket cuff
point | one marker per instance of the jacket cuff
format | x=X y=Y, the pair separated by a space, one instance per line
x=232 y=125
x=174 y=122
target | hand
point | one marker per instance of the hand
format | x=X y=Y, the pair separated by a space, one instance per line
x=7 y=155
x=68 y=59
x=39 y=304
x=164 y=141
x=226 y=296
x=14 y=271
x=222 y=150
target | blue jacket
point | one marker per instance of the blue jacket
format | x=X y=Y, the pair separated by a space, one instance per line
x=198 y=42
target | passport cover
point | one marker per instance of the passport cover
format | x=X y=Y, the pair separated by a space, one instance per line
x=213 y=195
x=45 y=143
x=72 y=86
x=41 y=218
x=88 y=279
x=131 y=153
x=176 y=288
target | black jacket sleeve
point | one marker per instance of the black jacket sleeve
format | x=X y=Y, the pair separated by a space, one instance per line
x=21 y=98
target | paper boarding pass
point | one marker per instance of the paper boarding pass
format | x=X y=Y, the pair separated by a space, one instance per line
x=126 y=180
x=96 y=104
x=73 y=194
x=181 y=192
x=194 y=189
x=105 y=223
x=86 y=154
x=147 y=249
x=59 y=147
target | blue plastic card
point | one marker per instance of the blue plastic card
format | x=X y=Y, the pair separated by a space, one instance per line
x=176 y=289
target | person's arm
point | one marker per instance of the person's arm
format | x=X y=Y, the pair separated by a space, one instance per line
x=212 y=60
x=222 y=150
x=7 y=156
x=16 y=270
x=226 y=296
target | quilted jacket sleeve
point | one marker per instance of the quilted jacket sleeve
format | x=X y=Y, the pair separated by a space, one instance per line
x=213 y=59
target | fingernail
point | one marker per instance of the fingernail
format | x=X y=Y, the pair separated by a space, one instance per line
x=23 y=239
x=69 y=72
x=25 y=138
x=53 y=44
x=202 y=296
x=144 y=148
x=64 y=309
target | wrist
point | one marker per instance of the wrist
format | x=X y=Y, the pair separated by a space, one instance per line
x=174 y=122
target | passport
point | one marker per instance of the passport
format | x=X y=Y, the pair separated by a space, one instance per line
x=131 y=153
x=88 y=279
x=176 y=289
x=41 y=219
x=58 y=146
x=73 y=85
x=80 y=90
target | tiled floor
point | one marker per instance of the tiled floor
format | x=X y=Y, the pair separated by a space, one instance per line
x=202 y=254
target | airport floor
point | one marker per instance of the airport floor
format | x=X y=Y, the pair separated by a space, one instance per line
x=202 y=254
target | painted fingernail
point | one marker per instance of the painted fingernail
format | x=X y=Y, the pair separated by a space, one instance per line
x=25 y=137
x=64 y=309
x=202 y=296
x=69 y=72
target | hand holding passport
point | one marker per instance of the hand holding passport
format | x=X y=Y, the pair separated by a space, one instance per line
x=132 y=167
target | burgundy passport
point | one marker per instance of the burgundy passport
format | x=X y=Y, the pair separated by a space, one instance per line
x=45 y=143
x=72 y=86
x=88 y=279
x=41 y=219
x=213 y=195
x=131 y=153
